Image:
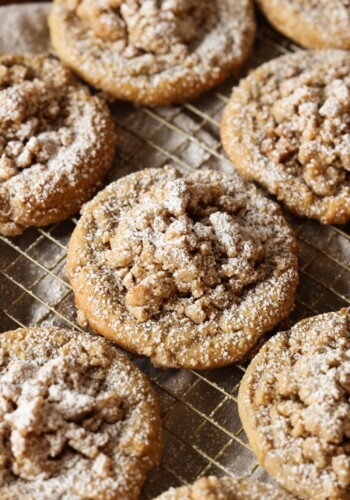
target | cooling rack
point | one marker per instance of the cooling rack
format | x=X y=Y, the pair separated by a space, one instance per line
x=202 y=431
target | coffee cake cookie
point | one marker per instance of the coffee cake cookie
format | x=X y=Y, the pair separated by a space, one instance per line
x=153 y=52
x=24 y=28
x=225 y=488
x=77 y=418
x=56 y=142
x=295 y=407
x=288 y=126
x=190 y=271
x=315 y=24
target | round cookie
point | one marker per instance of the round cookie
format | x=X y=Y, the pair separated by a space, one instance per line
x=153 y=52
x=294 y=406
x=288 y=126
x=225 y=488
x=315 y=24
x=30 y=21
x=56 y=142
x=189 y=271
x=77 y=418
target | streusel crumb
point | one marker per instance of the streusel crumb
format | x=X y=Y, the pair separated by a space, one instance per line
x=294 y=405
x=287 y=125
x=57 y=141
x=190 y=271
x=77 y=420
x=153 y=52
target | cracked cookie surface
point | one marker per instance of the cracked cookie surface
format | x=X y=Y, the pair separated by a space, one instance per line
x=190 y=271
x=225 y=488
x=77 y=419
x=294 y=403
x=288 y=126
x=56 y=142
x=153 y=52
x=314 y=24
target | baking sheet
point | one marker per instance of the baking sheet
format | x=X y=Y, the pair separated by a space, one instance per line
x=202 y=431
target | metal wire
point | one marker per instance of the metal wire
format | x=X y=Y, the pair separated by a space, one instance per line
x=202 y=430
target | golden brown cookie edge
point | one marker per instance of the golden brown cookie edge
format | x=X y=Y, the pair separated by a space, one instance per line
x=242 y=158
x=155 y=452
x=160 y=95
x=294 y=26
x=61 y=204
x=84 y=289
x=280 y=471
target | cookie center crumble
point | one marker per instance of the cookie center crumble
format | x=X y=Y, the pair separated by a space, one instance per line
x=52 y=415
x=32 y=121
x=308 y=132
x=147 y=26
x=313 y=395
x=183 y=248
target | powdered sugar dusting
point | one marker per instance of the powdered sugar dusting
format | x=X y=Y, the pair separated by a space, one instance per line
x=77 y=419
x=325 y=23
x=287 y=125
x=24 y=28
x=182 y=248
x=56 y=142
x=139 y=49
x=297 y=393
x=225 y=488
x=189 y=271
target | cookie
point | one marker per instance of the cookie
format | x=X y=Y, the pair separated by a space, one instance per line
x=189 y=271
x=315 y=24
x=153 y=52
x=294 y=406
x=77 y=418
x=24 y=28
x=287 y=126
x=225 y=488
x=57 y=142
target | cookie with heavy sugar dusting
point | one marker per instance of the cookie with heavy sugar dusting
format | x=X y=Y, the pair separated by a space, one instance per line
x=153 y=52
x=287 y=125
x=77 y=418
x=188 y=270
x=57 y=142
x=294 y=406
x=315 y=24
x=225 y=488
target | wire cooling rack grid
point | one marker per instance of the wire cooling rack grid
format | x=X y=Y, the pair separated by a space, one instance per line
x=202 y=431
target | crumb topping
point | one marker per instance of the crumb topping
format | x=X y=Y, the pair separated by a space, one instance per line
x=56 y=142
x=188 y=270
x=182 y=247
x=70 y=423
x=300 y=389
x=155 y=34
x=161 y=27
x=33 y=116
x=288 y=126
x=150 y=45
x=308 y=129
x=314 y=395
